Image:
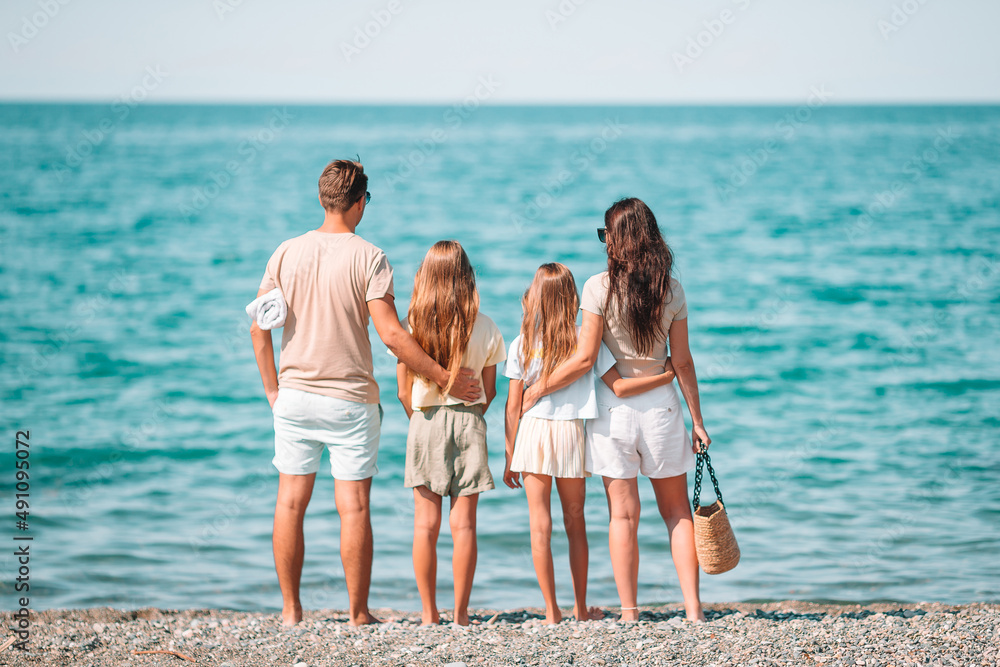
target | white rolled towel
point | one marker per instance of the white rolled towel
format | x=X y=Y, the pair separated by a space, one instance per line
x=269 y=310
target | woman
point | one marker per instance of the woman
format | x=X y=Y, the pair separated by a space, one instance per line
x=636 y=308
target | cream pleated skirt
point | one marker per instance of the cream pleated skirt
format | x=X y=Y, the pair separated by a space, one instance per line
x=550 y=447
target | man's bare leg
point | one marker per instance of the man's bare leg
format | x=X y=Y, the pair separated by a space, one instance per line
x=356 y=545
x=294 y=492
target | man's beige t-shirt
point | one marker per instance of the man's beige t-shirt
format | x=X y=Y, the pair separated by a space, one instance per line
x=629 y=362
x=327 y=281
x=486 y=348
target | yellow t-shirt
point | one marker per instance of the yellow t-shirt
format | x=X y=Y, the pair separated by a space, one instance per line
x=327 y=281
x=486 y=348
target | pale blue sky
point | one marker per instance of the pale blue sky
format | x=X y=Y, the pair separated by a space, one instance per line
x=592 y=51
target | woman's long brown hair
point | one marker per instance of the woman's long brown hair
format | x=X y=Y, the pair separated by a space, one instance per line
x=444 y=305
x=639 y=264
x=550 y=305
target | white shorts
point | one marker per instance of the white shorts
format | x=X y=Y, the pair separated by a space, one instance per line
x=306 y=423
x=640 y=434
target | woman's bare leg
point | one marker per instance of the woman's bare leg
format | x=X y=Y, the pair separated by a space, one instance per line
x=463 y=561
x=623 y=541
x=426 y=527
x=672 y=501
x=538 y=489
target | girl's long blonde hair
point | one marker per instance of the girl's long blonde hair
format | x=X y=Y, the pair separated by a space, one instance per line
x=549 y=322
x=444 y=305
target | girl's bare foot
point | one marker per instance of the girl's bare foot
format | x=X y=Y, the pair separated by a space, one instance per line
x=553 y=617
x=291 y=615
x=590 y=614
x=629 y=615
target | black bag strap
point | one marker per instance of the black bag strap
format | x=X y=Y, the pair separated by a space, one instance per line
x=702 y=458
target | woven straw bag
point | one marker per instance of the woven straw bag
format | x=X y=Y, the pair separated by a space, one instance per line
x=714 y=540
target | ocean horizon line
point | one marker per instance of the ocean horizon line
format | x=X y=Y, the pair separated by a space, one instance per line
x=513 y=104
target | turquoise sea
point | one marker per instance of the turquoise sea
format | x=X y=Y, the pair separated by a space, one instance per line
x=841 y=267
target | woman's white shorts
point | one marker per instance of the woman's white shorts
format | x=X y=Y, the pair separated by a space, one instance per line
x=640 y=434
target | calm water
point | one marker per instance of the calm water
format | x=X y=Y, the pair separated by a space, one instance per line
x=841 y=267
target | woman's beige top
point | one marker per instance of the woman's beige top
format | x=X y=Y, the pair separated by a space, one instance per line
x=629 y=362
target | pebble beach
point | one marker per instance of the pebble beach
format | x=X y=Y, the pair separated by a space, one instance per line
x=774 y=633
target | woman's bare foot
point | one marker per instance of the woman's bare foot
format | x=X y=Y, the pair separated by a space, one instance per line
x=553 y=617
x=291 y=615
x=364 y=618
x=629 y=615
x=695 y=614
x=430 y=617
x=462 y=618
x=590 y=614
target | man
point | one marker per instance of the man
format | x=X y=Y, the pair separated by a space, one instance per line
x=325 y=395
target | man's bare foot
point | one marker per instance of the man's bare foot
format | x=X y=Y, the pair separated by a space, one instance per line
x=364 y=618
x=553 y=617
x=590 y=614
x=629 y=615
x=291 y=615
x=430 y=617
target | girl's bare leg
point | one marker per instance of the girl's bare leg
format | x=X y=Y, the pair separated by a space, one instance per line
x=538 y=489
x=623 y=541
x=572 y=495
x=426 y=527
x=672 y=501
x=463 y=562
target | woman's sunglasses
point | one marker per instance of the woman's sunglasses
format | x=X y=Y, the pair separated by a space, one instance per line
x=602 y=234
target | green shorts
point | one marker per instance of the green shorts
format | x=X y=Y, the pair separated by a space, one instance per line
x=446 y=451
